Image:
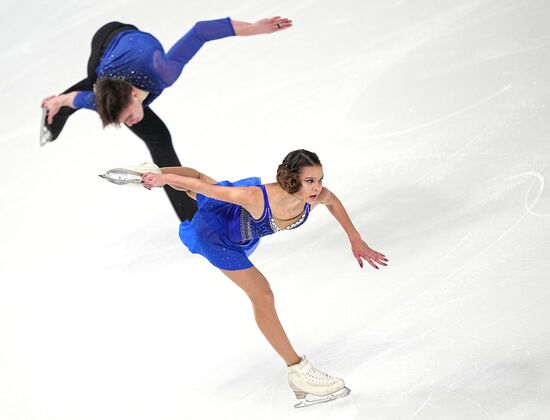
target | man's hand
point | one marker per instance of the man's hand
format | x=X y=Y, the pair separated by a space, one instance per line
x=54 y=103
x=262 y=26
x=269 y=25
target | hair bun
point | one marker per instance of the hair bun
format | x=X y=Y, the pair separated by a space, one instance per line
x=288 y=172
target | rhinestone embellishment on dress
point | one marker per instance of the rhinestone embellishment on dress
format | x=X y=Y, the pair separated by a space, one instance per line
x=297 y=223
x=245 y=225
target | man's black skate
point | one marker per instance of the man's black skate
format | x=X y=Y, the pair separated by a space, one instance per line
x=49 y=132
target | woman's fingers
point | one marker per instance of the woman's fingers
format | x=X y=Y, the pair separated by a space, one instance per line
x=373 y=258
x=369 y=260
x=145 y=179
x=150 y=180
x=380 y=261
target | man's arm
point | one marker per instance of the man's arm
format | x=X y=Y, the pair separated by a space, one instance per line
x=171 y=65
x=262 y=26
x=54 y=103
x=75 y=100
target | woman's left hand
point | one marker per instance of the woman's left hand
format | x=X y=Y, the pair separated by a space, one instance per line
x=361 y=251
x=150 y=180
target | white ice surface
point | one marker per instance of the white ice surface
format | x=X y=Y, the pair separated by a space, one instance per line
x=432 y=122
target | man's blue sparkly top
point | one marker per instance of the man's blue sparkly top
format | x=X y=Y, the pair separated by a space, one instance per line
x=138 y=58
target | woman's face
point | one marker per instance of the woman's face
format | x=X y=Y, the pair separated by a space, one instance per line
x=311 y=179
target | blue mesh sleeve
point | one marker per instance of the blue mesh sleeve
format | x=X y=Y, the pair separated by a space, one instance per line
x=170 y=66
x=85 y=99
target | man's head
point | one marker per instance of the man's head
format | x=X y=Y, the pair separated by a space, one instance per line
x=118 y=102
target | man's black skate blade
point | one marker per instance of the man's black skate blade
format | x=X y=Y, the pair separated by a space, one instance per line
x=344 y=392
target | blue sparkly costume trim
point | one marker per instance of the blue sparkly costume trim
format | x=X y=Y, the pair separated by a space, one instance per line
x=138 y=58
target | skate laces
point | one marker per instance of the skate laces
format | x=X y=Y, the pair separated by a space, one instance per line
x=318 y=376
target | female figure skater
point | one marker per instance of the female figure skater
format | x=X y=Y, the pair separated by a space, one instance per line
x=227 y=227
x=127 y=71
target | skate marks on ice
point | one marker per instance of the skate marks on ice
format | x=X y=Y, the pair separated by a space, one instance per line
x=430 y=398
x=361 y=133
x=435 y=318
x=471 y=72
x=517 y=379
x=382 y=65
x=529 y=207
x=262 y=392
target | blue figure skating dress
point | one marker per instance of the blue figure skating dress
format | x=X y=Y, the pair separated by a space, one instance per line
x=225 y=233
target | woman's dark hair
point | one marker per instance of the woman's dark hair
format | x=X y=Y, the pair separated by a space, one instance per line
x=112 y=96
x=288 y=173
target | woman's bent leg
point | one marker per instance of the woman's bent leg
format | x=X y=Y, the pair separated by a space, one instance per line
x=256 y=286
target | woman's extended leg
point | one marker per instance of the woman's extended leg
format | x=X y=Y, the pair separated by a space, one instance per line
x=256 y=286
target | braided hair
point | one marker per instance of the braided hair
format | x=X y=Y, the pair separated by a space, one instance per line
x=288 y=172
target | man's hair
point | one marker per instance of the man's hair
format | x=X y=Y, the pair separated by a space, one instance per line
x=288 y=173
x=112 y=96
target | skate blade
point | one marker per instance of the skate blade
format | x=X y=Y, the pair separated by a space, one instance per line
x=129 y=176
x=310 y=400
x=120 y=176
x=45 y=135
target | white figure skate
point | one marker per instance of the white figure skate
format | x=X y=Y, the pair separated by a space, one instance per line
x=129 y=175
x=311 y=386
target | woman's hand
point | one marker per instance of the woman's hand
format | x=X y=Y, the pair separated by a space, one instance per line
x=150 y=180
x=361 y=251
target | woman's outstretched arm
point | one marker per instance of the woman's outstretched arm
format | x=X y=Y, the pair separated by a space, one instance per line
x=188 y=172
x=187 y=179
x=359 y=247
